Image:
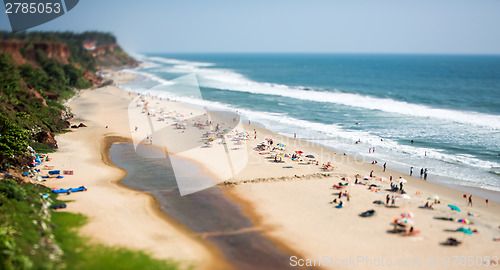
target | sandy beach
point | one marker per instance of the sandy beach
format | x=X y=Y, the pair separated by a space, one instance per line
x=118 y=216
x=292 y=201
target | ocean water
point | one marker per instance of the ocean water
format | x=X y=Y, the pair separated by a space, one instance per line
x=449 y=105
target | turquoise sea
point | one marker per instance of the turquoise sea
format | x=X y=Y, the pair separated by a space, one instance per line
x=449 y=105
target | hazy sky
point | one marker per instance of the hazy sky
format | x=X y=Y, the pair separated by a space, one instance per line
x=383 y=26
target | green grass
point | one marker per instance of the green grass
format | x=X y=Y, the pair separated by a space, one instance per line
x=25 y=244
x=42 y=148
x=22 y=214
x=78 y=254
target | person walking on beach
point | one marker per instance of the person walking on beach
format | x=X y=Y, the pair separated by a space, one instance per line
x=387 y=199
x=371 y=174
x=411 y=171
x=393 y=201
x=421 y=172
x=385 y=166
x=370 y=150
x=255 y=131
x=470 y=200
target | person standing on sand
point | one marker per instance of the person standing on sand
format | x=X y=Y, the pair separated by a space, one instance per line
x=385 y=166
x=387 y=199
x=411 y=171
x=470 y=200
x=393 y=201
x=255 y=134
x=421 y=172
x=371 y=174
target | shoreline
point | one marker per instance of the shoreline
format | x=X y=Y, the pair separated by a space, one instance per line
x=268 y=203
x=276 y=213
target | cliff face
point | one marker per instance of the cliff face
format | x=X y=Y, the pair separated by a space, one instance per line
x=25 y=52
x=112 y=56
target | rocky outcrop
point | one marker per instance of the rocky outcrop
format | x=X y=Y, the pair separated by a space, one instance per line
x=46 y=137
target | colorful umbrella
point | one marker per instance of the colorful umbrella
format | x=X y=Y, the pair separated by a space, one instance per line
x=407 y=215
x=281 y=144
x=226 y=130
x=404 y=221
x=454 y=208
x=433 y=197
x=464 y=220
x=402 y=180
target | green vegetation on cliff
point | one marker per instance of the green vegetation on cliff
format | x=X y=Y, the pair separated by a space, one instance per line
x=40 y=69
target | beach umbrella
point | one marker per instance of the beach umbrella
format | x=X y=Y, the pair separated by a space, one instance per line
x=454 y=208
x=281 y=144
x=464 y=230
x=407 y=215
x=433 y=197
x=310 y=156
x=464 y=220
x=285 y=155
x=226 y=130
x=299 y=153
x=405 y=222
x=382 y=179
x=268 y=139
x=366 y=177
x=402 y=180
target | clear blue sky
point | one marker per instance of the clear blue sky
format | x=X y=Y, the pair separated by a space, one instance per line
x=362 y=26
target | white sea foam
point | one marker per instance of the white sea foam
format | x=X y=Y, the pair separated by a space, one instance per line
x=440 y=163
x=229 y=80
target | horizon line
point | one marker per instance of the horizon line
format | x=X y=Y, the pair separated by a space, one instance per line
x=346 y=53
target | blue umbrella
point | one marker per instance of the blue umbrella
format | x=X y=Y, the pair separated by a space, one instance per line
x=281 y=144
x=464 y=230
x=309 y=156
x=453 y=207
